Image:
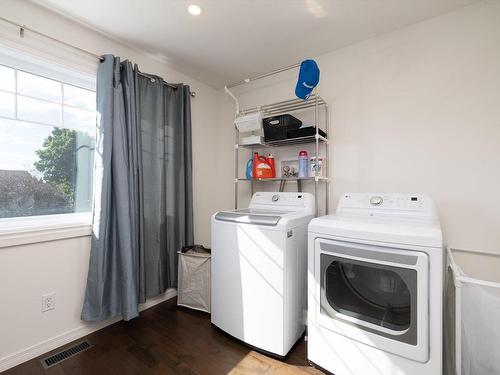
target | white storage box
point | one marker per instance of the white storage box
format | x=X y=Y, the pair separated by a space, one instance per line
x=251 y=140
x=193 y=286
x=472 y=313
x=249 y=123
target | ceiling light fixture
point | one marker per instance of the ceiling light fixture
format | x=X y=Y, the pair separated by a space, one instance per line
x=194 y=9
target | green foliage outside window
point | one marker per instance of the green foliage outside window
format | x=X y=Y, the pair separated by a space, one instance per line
x=57 y=161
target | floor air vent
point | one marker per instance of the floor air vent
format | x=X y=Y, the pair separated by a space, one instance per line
x=56 y=358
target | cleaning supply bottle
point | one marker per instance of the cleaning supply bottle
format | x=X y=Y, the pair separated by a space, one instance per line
x=249 y=169
x=303 y=164
x=255 y=162
x=270 y=160
x=261 y=167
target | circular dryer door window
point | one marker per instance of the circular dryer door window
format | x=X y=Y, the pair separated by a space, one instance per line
x=370 y=295
x=378 y=296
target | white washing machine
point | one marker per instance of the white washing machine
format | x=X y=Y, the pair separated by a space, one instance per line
x=375 y=286
x=259 y=267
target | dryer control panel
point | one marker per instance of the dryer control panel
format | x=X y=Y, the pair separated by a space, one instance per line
x=388 y=204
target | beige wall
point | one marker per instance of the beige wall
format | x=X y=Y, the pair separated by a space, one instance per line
x=415 y=110
x=28 y=271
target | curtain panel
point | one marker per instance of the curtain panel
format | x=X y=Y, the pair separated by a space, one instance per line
x=143 y=204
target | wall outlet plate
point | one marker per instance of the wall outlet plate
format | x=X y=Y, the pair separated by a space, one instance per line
x=48 y=302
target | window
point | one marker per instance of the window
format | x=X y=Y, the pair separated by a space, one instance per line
x=47 y=137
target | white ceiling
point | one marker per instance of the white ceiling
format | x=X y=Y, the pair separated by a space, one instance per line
x=234 y=39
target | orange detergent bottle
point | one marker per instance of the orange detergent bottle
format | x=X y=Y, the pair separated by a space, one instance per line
x=261 y=166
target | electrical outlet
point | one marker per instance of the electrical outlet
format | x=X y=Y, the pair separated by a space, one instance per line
x=48 y=302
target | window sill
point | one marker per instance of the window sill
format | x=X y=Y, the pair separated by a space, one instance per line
x=22 y=231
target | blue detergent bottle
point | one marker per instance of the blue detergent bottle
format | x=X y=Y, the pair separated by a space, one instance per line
x=249 y=173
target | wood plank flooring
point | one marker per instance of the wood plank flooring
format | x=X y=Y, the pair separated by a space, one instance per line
x=166 y=339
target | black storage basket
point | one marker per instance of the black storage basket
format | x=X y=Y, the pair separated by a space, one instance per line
x=277 y=127
x=305 y=132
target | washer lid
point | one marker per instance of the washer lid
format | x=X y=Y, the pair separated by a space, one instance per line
x=252 y=216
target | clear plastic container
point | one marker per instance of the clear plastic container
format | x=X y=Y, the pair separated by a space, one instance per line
x=316 y=166
x=303 y=164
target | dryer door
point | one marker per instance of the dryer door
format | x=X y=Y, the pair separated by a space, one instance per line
x=376 y=295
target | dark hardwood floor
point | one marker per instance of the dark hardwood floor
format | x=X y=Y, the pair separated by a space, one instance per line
x=166 y=339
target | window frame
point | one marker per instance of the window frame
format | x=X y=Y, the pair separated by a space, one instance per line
x=16 y=231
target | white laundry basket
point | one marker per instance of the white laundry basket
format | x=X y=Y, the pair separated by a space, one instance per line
x=193 y=286
x=472 y=313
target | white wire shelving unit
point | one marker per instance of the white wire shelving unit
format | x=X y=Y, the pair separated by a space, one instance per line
x=314 y=103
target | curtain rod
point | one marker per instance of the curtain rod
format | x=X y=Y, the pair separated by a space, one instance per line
x=23 y=28
x=153 y=78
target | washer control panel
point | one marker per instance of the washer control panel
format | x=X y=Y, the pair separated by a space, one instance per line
x=387 y=204
x=282 y=201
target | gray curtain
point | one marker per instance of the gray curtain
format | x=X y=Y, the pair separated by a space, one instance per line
x=143 y=207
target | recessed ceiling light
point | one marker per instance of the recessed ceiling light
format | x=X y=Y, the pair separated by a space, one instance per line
x=194 y=9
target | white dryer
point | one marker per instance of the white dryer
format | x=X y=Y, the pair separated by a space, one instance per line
x=259 y=267
x=375 y=286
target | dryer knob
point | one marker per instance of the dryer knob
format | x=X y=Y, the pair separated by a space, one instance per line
x=275 y=198
x=376 y=201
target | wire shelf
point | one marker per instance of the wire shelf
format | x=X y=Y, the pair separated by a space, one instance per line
x=285 y=179
x=286 y=106
x=287 y=142
x=314 y=102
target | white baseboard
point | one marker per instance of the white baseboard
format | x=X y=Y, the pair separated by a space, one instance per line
x=52 y=343
x=170 y=293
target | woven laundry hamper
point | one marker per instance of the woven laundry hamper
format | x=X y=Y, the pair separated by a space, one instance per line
x=193 y=286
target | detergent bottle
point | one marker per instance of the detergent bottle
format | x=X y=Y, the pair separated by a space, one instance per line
x=261 y=167
x=249 y=169
x=270 y=160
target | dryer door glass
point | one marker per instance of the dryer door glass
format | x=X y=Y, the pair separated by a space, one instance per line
x=375 y=295
x=365 y=292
